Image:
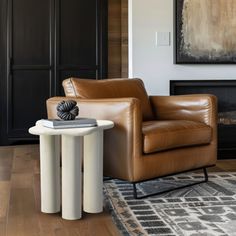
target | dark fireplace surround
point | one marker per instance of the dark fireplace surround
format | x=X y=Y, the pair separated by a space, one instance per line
x=225 y=90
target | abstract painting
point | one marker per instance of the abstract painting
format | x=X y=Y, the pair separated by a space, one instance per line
x=205 y=31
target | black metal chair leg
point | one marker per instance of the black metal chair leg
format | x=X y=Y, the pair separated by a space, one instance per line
x=205 y=174
x=135 y=191
x=107 y=178
x=135 y=194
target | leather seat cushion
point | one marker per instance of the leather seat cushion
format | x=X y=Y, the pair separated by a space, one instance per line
x=110 y=88
x=163 y=135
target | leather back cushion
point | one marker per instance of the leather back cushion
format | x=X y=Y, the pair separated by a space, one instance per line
x=109 y=88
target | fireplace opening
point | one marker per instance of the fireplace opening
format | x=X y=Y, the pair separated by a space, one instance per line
x=225 y=91
x=227 y=118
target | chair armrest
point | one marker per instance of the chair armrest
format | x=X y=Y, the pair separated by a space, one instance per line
x=195 y=107
x=122 y=142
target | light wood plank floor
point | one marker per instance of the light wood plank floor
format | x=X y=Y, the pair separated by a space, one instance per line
x=20 y=200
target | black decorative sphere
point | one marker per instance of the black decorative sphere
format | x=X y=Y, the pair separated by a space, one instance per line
x=67 y=110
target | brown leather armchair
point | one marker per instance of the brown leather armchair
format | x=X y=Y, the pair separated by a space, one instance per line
x=154 y=136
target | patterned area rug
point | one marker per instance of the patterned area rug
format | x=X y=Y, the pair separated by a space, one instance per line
x=207 y=209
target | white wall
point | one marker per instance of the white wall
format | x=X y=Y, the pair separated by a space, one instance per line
x=154 y=64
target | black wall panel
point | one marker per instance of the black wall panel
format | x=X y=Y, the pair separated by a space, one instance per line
x=42 y=43
x=78 y=41
x=26 y=102
x=31 y=32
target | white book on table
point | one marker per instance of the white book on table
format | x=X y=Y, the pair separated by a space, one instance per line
x=63 y=124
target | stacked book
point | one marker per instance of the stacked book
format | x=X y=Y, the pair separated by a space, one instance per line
x=63 y=124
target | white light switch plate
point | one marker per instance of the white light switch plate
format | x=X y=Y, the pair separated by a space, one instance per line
x=162 y=38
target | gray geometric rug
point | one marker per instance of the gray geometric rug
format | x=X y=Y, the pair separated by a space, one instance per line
x=207 y=209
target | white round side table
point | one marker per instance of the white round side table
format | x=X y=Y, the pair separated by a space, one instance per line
x=75 y=144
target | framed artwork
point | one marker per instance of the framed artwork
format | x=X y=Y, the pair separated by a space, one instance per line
x=205 y=31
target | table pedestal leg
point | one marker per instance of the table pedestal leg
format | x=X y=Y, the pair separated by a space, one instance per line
x=93 y=172
x=50 y=173
x=72 y=151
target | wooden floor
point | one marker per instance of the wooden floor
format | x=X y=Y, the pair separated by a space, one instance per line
x=20 y=200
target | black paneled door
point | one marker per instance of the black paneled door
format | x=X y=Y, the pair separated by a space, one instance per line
x=42 y=43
